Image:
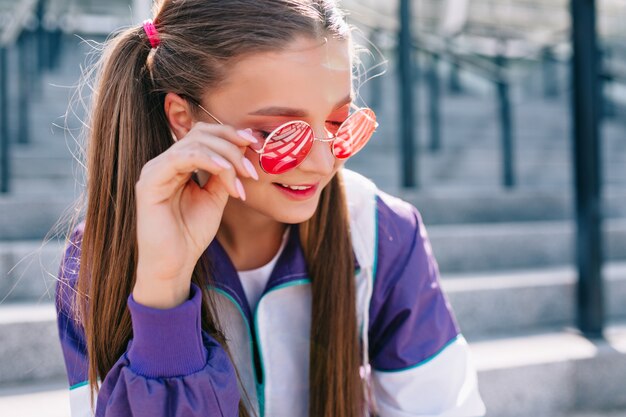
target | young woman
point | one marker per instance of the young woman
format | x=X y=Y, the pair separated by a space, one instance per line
x=226 y=264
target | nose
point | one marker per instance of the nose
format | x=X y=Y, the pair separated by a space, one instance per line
x=320 y=159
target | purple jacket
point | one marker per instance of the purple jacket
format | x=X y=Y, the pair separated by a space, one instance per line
x=420 y=362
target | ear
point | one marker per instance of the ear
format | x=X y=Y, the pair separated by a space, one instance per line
x=178 y=115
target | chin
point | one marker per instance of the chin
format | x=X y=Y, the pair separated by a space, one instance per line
x=295 y=215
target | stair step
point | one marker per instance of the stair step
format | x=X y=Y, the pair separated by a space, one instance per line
x=517 y=301
x=461 y=206
x=39 y=188
x=35 y=152
x=50 y=399
x=30 y=349
x=32 y=216
x=505 y=246
x=43 y=166
x=434 y=175
x=552 y=374
x=29 y=270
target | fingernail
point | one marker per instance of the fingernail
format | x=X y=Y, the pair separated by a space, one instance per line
x=240 y=190
x=247 y=135
x=250 y=168
x=221 y=161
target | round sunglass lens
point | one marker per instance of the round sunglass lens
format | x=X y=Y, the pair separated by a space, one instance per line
x=354 y=133
x=286 y=147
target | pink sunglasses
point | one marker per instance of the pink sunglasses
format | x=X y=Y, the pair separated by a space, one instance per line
x=289 y=144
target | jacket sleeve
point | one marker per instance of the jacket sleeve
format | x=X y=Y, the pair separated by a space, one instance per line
x=421 y=362
x=170 y=367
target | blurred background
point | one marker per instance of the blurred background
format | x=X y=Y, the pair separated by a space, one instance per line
x=507 y=135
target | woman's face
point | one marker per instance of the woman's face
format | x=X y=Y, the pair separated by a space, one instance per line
x=310 y=81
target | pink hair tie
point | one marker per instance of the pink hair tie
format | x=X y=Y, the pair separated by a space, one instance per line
x=153 y=35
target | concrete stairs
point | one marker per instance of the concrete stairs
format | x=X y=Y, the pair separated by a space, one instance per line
x=555 y=373
x=524 y=313
x=506 y=257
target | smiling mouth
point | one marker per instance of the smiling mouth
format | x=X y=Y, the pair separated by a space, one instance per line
x=298 y=192
x=297 y=187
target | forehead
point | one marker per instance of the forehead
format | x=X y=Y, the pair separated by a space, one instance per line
x=308 y=74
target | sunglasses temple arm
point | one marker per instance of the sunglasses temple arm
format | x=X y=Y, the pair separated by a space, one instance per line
x=209 y=113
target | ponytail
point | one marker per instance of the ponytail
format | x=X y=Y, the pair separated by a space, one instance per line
x=126 y=130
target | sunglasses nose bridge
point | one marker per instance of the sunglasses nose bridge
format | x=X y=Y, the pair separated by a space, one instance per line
x=320 y=156
x=325 y=136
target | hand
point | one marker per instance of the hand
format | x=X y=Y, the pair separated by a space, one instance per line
x=176 y=218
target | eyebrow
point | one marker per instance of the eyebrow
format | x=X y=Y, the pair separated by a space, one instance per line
x=291 y=112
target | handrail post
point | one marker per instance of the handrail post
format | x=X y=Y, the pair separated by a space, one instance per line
x=454 y=80
x=407 y=121
x=4 y=123
x=506 y=120
x=587 y=168
x=23 y=105
x=550 y=78
x=434 y=110
x=42 y=37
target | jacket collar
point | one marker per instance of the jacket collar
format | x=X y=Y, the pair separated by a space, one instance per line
x=290 y=266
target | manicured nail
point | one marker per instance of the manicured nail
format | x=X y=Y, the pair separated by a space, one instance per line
x=240 y=190
x=247 y=135
x=250 y=168
x=220 y=161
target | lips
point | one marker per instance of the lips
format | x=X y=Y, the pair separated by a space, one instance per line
x=305 y=191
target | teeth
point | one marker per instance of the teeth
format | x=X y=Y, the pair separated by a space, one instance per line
x=296 y=187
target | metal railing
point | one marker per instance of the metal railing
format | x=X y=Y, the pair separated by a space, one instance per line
x=586 y=72
x=31 y=33
x=18 y=24
x=449 y=39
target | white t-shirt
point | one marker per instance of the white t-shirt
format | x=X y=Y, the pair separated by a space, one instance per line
x=254 y=281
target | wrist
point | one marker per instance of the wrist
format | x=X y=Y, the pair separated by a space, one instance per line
x=161 y=294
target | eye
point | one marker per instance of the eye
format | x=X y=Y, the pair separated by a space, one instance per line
x=261 y=134
x=337 y=118
x=333 y=125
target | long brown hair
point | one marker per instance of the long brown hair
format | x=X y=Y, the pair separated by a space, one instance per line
x=127 y=127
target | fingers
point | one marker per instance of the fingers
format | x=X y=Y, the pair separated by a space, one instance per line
x=168 y=171
x=232 y=153
x=231 y=149
x=216 y=149
x=238 y=137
